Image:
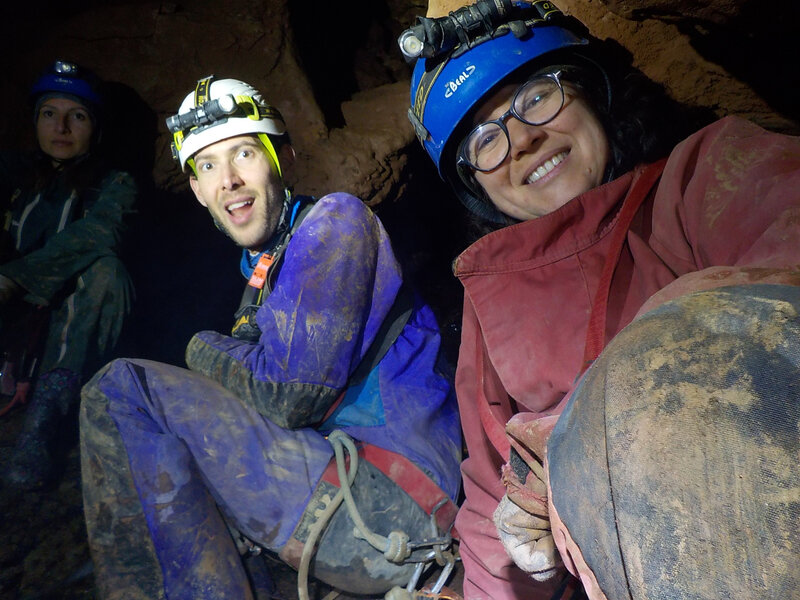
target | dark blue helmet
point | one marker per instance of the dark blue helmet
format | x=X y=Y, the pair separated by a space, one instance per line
x=449 y=83
x=67 y=79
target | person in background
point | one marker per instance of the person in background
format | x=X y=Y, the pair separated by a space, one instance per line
x=598 y=199
x=189 y=473
x=64 y=291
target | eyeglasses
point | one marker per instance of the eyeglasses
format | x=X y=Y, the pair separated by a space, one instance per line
x=536 y=102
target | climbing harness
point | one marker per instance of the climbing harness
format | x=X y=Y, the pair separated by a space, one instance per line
x=596 y=330
x=396 y=547
x=263 y=275
x=261 y=283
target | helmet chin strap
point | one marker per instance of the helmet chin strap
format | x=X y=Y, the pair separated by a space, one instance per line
x=283 y=222
x=273 y=155
x=287 y=203
x=270 y=148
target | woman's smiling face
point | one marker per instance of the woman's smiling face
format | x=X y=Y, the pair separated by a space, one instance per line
x=548 y=165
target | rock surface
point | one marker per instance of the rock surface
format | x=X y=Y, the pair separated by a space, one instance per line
x=335 y=72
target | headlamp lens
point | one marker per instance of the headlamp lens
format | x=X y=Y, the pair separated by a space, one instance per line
x=410 y=45
x=227 y=104
x=65 y=68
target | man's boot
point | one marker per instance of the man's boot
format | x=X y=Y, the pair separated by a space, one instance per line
x=32 y=463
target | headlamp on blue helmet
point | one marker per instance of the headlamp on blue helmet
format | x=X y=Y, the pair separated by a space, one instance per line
x=470 y=25
x=67 y=79
x=450 y=80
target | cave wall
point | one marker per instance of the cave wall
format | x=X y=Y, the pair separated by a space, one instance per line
x=332 y=70
x=336 y=74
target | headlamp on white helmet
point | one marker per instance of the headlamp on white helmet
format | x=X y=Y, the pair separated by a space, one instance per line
x=219 y=109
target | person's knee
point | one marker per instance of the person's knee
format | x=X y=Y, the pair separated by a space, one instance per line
x=94 y=403
x=93 y=391
x=717 y=336
x=660 y=452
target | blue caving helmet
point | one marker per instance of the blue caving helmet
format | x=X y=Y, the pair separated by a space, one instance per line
x=69 y=80
x=447 y=85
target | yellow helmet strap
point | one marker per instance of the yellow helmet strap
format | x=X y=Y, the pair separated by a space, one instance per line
x=270 y=148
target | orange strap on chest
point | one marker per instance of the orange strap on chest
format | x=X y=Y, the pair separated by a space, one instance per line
x=259 y=276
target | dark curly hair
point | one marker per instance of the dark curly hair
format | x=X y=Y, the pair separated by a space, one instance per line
x=642 y=122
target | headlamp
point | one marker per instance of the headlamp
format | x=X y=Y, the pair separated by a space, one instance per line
x=471 y=25
x=234 y=108
x=205 y=114
x=65 y=68
x=410 y=43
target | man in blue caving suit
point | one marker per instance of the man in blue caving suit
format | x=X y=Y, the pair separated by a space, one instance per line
x=184 y=468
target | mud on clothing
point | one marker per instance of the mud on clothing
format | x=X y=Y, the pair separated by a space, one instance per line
x=61 y=243
x=677 y=477
x=167 y=451
x=726 y=211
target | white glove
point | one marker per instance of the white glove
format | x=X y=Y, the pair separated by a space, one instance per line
x=528 y=540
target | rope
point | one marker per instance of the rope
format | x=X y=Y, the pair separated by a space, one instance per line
x=395 y=547
x=316 y=530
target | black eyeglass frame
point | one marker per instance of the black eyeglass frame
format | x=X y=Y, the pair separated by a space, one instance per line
x=463 y=162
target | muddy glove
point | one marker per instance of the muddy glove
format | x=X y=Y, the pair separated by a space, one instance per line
x=8 y=289
x=522 y=516
x=528 y=540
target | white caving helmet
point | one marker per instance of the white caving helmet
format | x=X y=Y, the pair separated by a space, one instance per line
x=219 y=109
